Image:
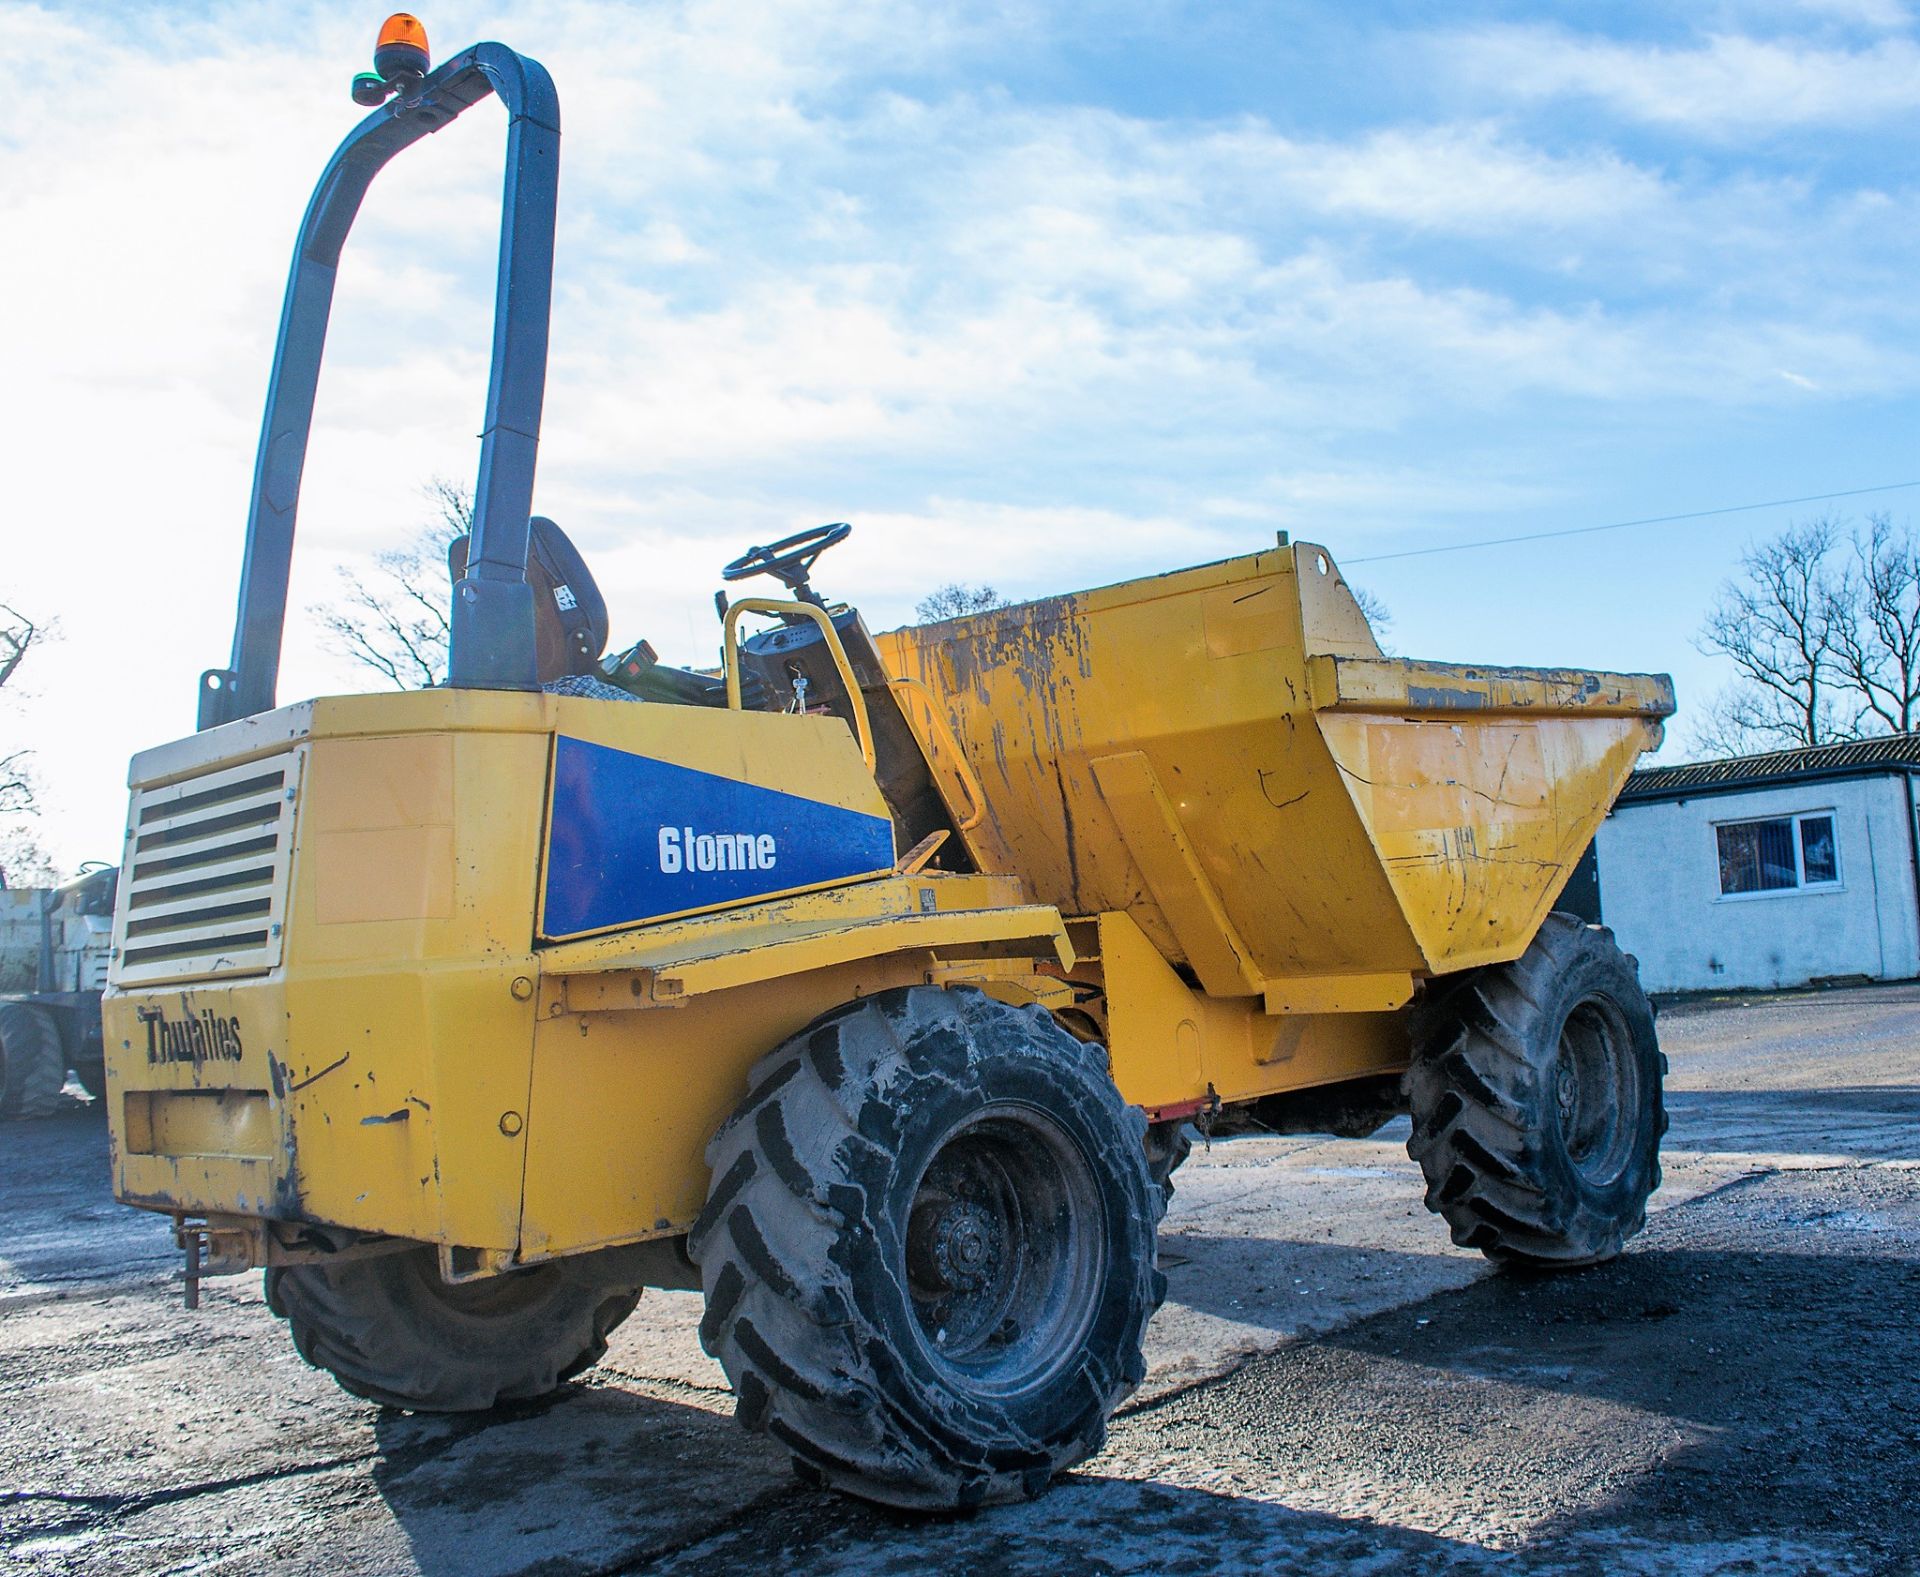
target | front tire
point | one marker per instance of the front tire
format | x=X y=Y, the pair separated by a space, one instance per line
x=1536 y=1097
x=390 y=1330
x=928 y=1249
x=33 y=1061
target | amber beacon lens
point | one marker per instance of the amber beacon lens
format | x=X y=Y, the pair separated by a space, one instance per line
x=401 y=49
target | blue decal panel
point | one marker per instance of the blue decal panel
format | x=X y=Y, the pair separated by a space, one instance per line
x=632 y=838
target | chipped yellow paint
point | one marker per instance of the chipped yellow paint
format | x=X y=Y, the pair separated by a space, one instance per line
x=1217 y=826
x=222 y=1124
x=419 y=1065
x=1172 y=1045
x=1477 y=822
x=1225 y=756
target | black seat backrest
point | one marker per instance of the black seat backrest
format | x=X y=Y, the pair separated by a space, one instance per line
x=569 y=614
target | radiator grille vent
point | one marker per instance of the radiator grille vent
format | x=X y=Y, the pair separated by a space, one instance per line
x=203 y=889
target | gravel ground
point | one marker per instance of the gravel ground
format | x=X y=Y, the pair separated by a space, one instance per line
x=1333 y=1387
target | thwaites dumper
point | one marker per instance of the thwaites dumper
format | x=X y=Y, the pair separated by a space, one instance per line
x=872 y=990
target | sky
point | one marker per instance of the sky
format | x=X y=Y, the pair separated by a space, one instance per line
x=1042 y=296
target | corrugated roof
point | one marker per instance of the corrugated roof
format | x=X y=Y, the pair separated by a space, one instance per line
x=1853 y=757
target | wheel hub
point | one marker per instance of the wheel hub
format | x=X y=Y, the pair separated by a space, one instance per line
x=965 y=1247
x=1596 y=1091
x=1567 y=1092
x=1002 y=1249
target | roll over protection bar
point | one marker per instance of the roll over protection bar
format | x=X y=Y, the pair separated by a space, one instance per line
x=492 y=618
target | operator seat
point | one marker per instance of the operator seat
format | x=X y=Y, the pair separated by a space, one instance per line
x=569 y=614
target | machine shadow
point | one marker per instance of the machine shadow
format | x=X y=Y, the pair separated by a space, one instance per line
x=1085 y=1526
x=600 y=1479
x=1784 y=1429
x=585 y=1480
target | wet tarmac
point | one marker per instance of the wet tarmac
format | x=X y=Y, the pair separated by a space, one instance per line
x=1333 y=1386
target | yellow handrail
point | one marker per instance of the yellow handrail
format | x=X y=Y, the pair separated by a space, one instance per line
x=774 y=607
x=944 y=728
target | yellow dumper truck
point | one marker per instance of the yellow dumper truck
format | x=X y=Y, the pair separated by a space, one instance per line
x=871 y=986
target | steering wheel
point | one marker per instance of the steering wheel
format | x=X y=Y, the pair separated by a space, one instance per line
x=791 y=559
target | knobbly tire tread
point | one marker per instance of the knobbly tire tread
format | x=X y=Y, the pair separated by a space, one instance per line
x=379 y=1328
x=1484 y=1129
x=804 y=1306
x=33 y=1062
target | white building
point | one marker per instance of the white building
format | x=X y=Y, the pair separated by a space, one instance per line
x=1765 y=871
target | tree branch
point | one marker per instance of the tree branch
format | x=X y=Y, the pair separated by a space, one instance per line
x=16 y=640
x=393 y=618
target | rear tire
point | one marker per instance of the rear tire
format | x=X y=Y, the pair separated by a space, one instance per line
x=928 y=1249
x=1536 y=1100
x=390 y=1330
x=33 y=1061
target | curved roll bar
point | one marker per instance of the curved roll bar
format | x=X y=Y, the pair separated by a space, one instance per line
x=493 y=606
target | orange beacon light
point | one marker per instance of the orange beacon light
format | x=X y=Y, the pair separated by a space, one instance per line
x=400 y=60
x=401 y=49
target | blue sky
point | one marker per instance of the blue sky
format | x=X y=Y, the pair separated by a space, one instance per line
x=1044 y=296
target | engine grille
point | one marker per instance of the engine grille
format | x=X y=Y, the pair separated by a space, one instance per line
x=203 y=888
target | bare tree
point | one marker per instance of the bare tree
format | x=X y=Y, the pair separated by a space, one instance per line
x=21 y=856
x=1873 y=614
x=955 y=601
x=393 y=619
x=1776 y=626
x=1824 y=630
x=23 y=862
x=17 y=637
x=1740 y=720
x=1378 y=615
x=1376 y=611
x=16 y=785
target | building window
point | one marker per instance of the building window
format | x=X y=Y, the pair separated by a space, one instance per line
x=1780 y=854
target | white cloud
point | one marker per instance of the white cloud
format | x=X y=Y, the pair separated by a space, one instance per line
x=1729 y=85
x=1882 y=15
x=1040 y=343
